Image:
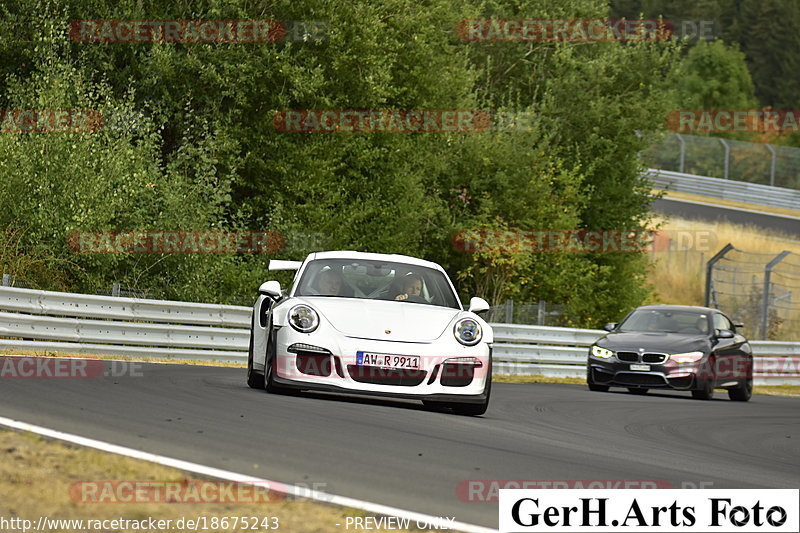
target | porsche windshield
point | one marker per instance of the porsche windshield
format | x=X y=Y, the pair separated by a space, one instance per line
x=376 y=280
x=666 y=321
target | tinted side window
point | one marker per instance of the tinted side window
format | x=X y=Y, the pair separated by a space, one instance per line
x=720 y=322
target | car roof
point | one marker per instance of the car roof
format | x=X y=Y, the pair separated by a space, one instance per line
x=350 y=254
x=668 y=307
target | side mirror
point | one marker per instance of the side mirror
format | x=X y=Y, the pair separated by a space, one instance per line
x=611 y=326
x=725 y=334
x=271 y=289
x=478 y=305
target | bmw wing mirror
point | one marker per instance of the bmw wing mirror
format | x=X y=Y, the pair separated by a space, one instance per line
x=611 y=326
x=478 y=305
x=725 y=334
x=271 y=289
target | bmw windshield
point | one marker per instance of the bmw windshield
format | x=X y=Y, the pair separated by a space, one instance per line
x=666 y=321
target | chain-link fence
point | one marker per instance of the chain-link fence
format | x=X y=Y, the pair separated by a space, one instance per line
x=761 y=290
x=538 y=314
x=766 y=164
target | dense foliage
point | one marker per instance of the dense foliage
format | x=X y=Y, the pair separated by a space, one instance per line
x=189 y=143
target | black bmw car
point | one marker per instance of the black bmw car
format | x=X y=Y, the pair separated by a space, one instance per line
x=676 y=347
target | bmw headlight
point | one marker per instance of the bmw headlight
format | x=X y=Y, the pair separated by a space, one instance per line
x=303 y=318
x=687 y=357
x=601 y=353
x=468 y=331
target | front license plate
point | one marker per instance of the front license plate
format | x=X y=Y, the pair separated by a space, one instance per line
x=645 y=368
x=387 y=360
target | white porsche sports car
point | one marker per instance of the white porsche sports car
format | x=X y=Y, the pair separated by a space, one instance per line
x=376 y=324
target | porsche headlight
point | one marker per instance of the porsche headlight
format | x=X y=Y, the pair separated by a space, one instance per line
x=303 y=318
x=687 y=357
x=468 y=331
x=601 y=353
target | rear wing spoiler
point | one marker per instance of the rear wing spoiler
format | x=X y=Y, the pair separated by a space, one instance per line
x=278 y=264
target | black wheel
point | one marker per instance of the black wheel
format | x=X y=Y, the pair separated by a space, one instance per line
x=592 y=385
x=705 y=392
x=637 y=390
x=269 y=368
x=705 y=389
x=255 y=380
x=742 y=392
x=475 y=409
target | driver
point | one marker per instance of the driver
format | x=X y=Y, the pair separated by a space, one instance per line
x=410 y=286
x=330 y=283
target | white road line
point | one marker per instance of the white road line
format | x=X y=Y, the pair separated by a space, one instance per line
x=290 y=490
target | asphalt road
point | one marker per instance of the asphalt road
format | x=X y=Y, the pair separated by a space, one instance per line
x=397 y=453
x=706 y=211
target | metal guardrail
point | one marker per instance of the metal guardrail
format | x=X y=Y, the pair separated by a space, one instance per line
x=207 y=332
x=739 y=191
x=90 y=324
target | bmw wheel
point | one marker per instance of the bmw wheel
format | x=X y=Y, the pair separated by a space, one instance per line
x=592 y=385
x=742 y=392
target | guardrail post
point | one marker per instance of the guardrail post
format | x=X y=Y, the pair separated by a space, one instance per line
x=727 y=156
x=6 y=280
x=115 y=289
x=509 y=311
x=541 y=313
x=772 y=164
x=765 y=306
x=682 y=160
x=710 y=272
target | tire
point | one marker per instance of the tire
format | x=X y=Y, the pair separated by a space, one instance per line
x=255 y=380
x=592 y=385
x=475 y=409
x=269 y=369
x=705 y=390
x=742 y=392
x=638 y=390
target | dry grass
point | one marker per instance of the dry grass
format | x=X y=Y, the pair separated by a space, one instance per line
x=679 y=275
x=36 y=476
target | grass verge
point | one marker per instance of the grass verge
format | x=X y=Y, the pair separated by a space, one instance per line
x=38 y=478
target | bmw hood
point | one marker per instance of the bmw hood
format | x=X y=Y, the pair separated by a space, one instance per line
x=371 y=319
x=654 y=342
